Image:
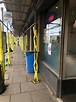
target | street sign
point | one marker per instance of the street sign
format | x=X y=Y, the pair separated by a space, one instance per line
x=7 y=17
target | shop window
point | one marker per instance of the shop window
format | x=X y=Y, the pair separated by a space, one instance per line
x=71 y=41
x=52 y=37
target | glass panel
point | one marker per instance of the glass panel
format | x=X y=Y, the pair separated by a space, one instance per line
x=71 y=42
x=52 y=37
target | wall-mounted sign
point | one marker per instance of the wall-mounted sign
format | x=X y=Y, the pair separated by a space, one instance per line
x=51 y=18
x=7 y=17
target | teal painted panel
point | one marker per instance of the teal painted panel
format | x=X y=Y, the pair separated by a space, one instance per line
x=52 y=60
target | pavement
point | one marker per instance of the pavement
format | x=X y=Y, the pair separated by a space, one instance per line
x=20 y=88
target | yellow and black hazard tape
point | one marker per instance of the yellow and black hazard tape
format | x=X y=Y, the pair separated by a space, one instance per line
x=36 y=79
x=1 y=53
x=8 y=48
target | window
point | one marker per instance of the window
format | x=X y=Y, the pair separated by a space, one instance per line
x=52 y=37
x=71 y=41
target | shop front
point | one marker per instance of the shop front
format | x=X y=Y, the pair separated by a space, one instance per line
x=57 y=49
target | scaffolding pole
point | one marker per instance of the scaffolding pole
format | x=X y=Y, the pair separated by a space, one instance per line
x=1 y=53
x=36 y=79
x=8 y=48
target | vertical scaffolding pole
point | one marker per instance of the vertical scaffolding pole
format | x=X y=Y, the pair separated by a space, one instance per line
x=19 y=41
x=36 y=79
x=26 y=38
x=1 y=53
x=12 y=43
x=8 y=48
x=30 y=39
x=23 y=43
x=2 y=66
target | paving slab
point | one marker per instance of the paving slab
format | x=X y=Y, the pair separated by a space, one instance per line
x=42 y=96
x=17 y=66
x=19 y=79
x=19 y=69
x=23 y=97
x=6 y=76
x=9 y=81
x=4 y=98
x=29 y=86
x=22 y=72
x=14 y=74
x=31 y=77
x=9 y=70
x=12 y=89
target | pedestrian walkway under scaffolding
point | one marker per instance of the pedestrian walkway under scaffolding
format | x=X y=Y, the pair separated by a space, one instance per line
x=20 y=88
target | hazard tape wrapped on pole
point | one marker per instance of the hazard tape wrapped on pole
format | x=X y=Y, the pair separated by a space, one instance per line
x=1 y=53
x=8 y=48
x=36 y=79
x=26 y=42
x=23 y=43
x=2 y=67
x=11 y=42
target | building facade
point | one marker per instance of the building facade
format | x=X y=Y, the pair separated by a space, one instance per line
x=56 y=26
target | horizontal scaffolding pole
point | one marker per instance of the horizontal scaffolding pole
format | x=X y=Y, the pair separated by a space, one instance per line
x=5 y=26
x=17 y=11
x=18 y=20
x=29 y=27
x=11 y=3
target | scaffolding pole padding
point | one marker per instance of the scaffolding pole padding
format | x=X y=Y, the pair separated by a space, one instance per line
x=1 y=53
x=36 y=79
x=8 y=48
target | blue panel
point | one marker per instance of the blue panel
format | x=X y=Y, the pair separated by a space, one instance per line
x=29 y=62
